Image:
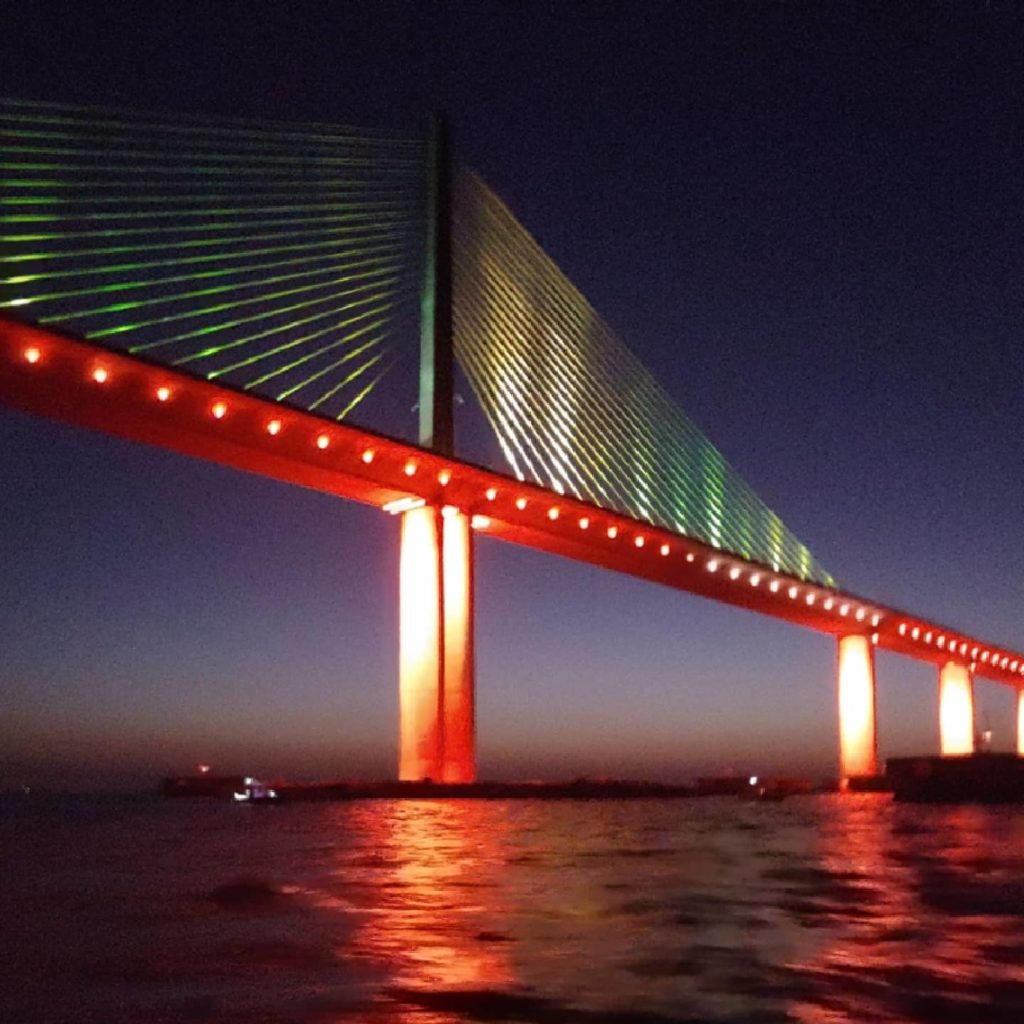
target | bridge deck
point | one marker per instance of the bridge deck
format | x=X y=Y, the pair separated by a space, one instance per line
x=60 y=377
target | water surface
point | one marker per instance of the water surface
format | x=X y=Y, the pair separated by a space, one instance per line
x=819 y=909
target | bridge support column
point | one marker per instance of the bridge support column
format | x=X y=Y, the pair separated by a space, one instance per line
x=956 y=709
x=436 y=700
x=1020 y=723
x=858 y=742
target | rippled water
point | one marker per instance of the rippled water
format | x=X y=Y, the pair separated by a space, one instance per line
x=817 y=909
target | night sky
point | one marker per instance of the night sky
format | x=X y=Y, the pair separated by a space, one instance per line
x=805 y=218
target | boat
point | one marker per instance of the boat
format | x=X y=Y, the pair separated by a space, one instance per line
x=979 y=778
x=255 y=792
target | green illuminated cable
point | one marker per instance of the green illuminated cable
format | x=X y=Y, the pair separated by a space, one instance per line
x=205 y=164
x=575 y=410
x=118 y=307
x=391 y=212
x=355 y=353
x=351 y=336
x=271 y=256
x=329 y=206
x=369 y=233
x=269 y=311
x=353 y=376
x=277 y=328
x=144 y=283
x=48 y=112
x=337 y=278
x=365 y=391
x=377 y=298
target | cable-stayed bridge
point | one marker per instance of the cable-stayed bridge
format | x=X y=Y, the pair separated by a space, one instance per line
x=277 y=297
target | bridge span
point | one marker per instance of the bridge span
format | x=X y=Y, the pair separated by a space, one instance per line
x=441 y=501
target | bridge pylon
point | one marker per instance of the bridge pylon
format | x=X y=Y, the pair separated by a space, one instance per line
x=437 y=720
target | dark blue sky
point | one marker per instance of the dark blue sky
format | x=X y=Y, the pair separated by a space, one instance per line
x=805 y=218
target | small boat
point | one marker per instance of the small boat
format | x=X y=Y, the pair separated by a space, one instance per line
x=255 y=792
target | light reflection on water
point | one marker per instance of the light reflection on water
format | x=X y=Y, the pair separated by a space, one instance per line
x=825 y=909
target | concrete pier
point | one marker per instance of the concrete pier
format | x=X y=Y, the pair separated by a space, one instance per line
x=858 y=742
x=436 y=680
x=956 y=709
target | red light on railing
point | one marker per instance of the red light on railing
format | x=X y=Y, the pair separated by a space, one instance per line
x=219 y=410
x=491 y=493
x=274 y=428
x=163 y=394
x=613 y=532
x=410 y=469
x=32 y=354
x=664 y=549
x=100 y=375
x=444 y=477
x=520 y=503
x=584 y=523
x=552 y=514
x=368 y=456
x=323 y=441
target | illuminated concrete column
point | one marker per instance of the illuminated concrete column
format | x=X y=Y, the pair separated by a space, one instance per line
x=436 y=707
x=956 y=709
x=858 y=742
x=1020 y=723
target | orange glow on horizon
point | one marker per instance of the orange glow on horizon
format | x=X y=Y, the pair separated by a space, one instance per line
x=956 y=709
x=858 y=748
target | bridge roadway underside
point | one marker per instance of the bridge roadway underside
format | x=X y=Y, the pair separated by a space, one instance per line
x=60 y=377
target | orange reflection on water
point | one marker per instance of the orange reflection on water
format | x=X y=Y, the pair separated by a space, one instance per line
x=433 y=917
x=922 y=924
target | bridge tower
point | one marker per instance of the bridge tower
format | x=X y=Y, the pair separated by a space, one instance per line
x=437 y=719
